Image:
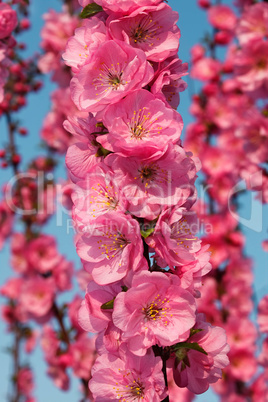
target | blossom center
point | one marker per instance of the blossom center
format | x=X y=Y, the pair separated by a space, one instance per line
x=131 y=388
x=141 y=124
x=152 y=173
x=262 y=64
x=104 y=199
x=144 y=30
x=109 y=78
x=148 y=172
x=158 y=309
x=113 y=244
x=182 y=233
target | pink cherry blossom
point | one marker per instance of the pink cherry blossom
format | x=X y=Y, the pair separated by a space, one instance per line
x=241 y=334
x=53 y=132
x=25 y=381
x=11 y=288
x=19 y=260
x=43 y=254
x=83 y=154
x=97 y=194
x=175 y=393
x=206 y=69
x=150 y=184
x=222 y=17
x=259 y=388
x=84 y=43
x=140 y=125
x=31 y=341
x=243 y=364
x=192 y=274
x=6 y=222
x=251 y=66
x=62 y=274
x=129 y=376
x=197 y=52
x=8 y=20
x=116 y=69
x=202 y=369
x=37 y=296
x=57 y=29
x=111 y=247
x=174 y=237
x=155 y=310
x=265 y=245
x=110 y=340
x=152 y=29
x=49 y=343
x=73 y=308
x=82 y=355
x=91 y=317
x=167 y=83
x=263 y=314
x=59 y=26
x=59 y=376
x=4 y=64
x=253 y=23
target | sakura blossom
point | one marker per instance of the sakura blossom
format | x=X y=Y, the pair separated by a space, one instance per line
x=110 y=247
x=140 y=121
x=97 y=194
x=8 y=20
x=84 y=43
x=174 y=238
x=152 y=29
x=115 y=70
x=129 y=376
x=150 y=184
x=150 y=313
x=197 y=368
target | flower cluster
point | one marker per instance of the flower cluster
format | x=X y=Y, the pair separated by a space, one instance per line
x=41 y=274
x=132 y=206
x=232 y=105
x=8 y=22
x=230 y=135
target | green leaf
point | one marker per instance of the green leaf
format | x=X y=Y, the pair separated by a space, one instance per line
x=195 y=331
x=108 y=305
x=192 y=346
x=100 y=124
x=90 y=10
x=147 y=228
x=265 y=112
x=146 y=233
x=102 y=152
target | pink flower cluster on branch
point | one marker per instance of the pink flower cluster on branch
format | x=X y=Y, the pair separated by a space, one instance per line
x=133 y=197
x=41 y=272
x=229 y=134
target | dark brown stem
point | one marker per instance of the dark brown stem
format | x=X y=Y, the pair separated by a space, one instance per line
x=12 y=146
x=164 y=369
x=146 y=253
x=66 y=339
x=59 y=318
x=164 y=353
x=86 y=390
x=69 y=4
x=16 y=359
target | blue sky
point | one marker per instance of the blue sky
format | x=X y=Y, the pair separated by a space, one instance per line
x=193 y=24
